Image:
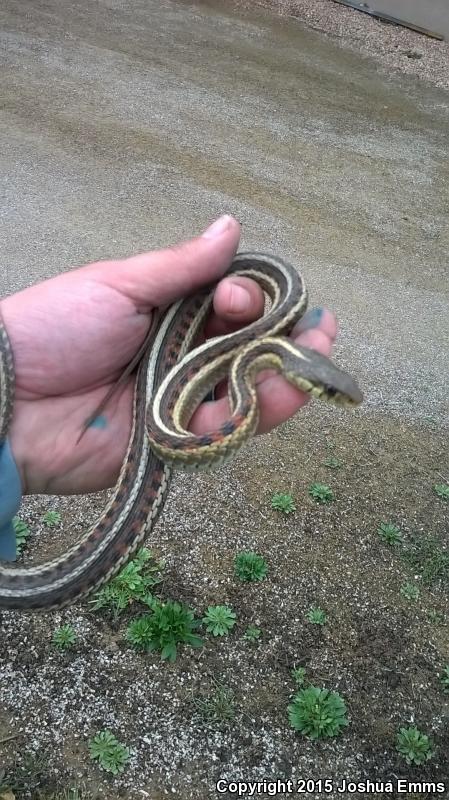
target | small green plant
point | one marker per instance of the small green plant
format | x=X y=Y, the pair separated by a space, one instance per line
x=442 y=490
x=444 y=678
x=436 y=617
x=284 y=503
x=410 y=591
x=429 y=558
x=22 y=532
x=51 y=519
x=250 y=566
x=321 y=493
x=219 y=706
x=299 y=675
x=252 y=634
x=317 y=713
x=332 y=462
x=170 y=624
x=109 y=752
x=415 y=746
x=25 y=775
x=219 y=620
x=133 y=584
x=5 y=786
x=64 y=637
x=389 y=533
x=317 y=616
x=72 y=793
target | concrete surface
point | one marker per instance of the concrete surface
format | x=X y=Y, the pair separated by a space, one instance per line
x=432 y=14
x=128 y=125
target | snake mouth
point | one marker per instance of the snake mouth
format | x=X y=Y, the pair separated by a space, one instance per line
x=351 y=397
x=343 y=392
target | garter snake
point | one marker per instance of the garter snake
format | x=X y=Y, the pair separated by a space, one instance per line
x=173 y=377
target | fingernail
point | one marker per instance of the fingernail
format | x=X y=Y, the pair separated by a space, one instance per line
x=239 y=300
x=311 y=319
x=217 y=228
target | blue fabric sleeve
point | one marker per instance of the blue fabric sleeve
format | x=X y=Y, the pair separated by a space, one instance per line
x=10 y=497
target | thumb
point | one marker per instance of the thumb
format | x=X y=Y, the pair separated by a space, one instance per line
x=160 y=277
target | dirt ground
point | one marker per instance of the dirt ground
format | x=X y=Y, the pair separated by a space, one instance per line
x=381 y=652
x=139 y=117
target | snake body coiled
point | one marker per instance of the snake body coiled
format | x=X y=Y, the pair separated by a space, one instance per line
x=171 y=382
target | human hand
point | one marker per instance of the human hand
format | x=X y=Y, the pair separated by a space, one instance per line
x=73 y=335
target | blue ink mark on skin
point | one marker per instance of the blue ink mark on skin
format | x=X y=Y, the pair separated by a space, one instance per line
x=311 y=319
x=99 y=422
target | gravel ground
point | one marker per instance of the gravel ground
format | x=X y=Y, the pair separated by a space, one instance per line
x=381 y=652
x=127 y=127
x=394 y=48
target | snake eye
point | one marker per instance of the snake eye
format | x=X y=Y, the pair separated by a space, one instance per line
x=331 y=391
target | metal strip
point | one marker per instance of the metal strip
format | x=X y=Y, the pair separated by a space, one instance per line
x=365 y=9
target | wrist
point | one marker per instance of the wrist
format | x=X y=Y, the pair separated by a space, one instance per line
x=10 y=499
x=17 y=457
